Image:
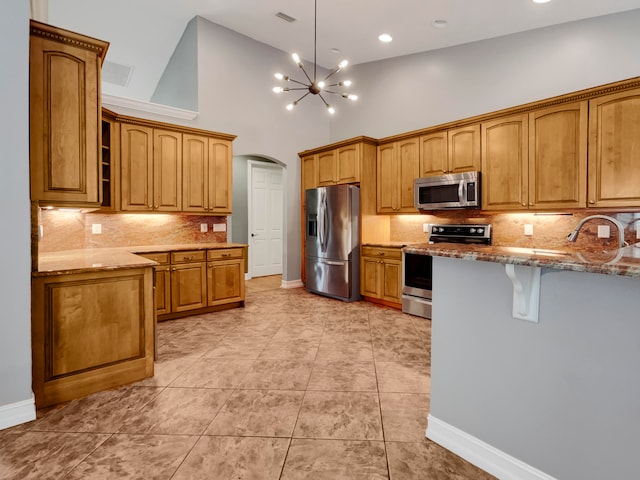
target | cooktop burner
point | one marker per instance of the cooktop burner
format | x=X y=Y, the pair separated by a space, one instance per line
x=468 y=233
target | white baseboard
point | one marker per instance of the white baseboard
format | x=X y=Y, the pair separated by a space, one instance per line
x=481 y=454
x=292 y=284
x=17 y=413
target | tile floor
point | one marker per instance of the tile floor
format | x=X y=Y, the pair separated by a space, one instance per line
x=293 y=386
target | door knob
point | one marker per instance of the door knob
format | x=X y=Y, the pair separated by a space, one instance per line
x=253 y=234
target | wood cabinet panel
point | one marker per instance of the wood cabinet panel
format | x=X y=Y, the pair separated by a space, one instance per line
x=505 y=163
x=408 y=171
x=464 y=149
x=64 y=116
x=136 y=167
x=162 y=289
x=188 y=286
x=327 y=168
x=348 y=164
x=392 y=281
x=195 y=173
x=220 y=176
x=167 y=171
x=90 y=332
x=558 y=156
x=225 y=281
x=433 y=154
x=614 y=150
x=309 y=173
x=387 y=180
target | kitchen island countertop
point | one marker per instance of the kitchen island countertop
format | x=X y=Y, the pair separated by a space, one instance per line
x=624 y=261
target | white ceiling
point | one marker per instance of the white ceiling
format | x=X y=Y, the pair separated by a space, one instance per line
x=144 y=33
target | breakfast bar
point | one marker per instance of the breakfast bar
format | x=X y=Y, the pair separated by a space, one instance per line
x=510 y=394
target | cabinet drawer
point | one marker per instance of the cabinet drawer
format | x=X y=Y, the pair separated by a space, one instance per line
x=395 y=253
x=224 y=253
x=161 y=258
x=188 y=256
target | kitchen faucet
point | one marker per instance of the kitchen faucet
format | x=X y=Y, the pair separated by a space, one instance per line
x=573 y=236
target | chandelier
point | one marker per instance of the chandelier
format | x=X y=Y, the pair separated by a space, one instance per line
x=315 y=87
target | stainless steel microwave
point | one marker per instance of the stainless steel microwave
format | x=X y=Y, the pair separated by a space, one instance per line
x=455 y=190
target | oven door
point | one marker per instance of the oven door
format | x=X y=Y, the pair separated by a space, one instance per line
x=417 y=284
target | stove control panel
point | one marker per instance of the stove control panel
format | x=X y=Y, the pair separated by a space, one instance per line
x=467 y=233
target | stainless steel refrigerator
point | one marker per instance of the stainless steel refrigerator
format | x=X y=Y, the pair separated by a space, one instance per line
x=332 y=255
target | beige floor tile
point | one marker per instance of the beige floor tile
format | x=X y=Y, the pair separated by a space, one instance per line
x=241 y=347
x=178 y=411
x=166 y=371
x=396 y=349
x=277 y=375
x=135 y=456
x=339 y=415
x=332 y=350
x=409 y=461
x=403 y=377
x=101 y=412
x=44 y=455
x=234 y=458
x=214 y=373
x=404 y=416
x=263 y=413
x=343 y=377
x=310 y=459
x=291 y=350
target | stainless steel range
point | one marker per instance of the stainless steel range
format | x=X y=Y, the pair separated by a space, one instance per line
x=417 y=273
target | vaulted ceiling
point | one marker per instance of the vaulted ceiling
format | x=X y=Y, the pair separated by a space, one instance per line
x=144 y=33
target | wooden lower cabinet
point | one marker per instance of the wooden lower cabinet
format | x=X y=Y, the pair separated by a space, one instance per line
x=90 y=332
x=225 y=276
x=198 y=281
x=381 y=275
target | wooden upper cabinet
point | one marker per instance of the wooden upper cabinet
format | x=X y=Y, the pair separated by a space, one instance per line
x=464 y=149
x=614 y=150
x=64 y=116
x=505 y=163
x=136 y=167
x=309 y=170
x=220 y=165
x=348 y=164
x=397 y=168
x=167 y=171
x=558 y=156
x=327 y=168
x=195 y=168
x=451 y=151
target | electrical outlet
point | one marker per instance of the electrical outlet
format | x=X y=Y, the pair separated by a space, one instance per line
x=425 y=227
x=528 y=229
x=219 y=227
x=96 y=228
x=604 y=231
x=204 y=228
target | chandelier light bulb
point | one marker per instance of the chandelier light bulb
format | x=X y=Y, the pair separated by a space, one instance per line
x=278 y=90
x=346 y=83
x=291 y=105
x=321 y=84
x=330 y=109
x=279 y=76
x=296 y=59
x=352 y=97
x=343 y=63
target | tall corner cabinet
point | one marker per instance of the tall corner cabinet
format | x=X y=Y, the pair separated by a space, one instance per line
x=64 y=116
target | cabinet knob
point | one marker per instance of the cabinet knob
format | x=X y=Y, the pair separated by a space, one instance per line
x=226 y=254
x=531 y=204
x=592 y=202
x=188 y=258
x=155 y=207
x=173 y=269
x=524 y=204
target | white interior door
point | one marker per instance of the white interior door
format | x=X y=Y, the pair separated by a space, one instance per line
x=265 y=219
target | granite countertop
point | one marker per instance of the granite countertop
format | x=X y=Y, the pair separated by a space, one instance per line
x=624 y=261
x=90 y=259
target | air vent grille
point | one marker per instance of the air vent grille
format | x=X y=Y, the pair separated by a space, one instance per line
x=285 y=17
x=116 y=73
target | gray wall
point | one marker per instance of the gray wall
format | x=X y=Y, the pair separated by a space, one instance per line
x=561 y=395
x=425 y=89
x=178 y=85
x=15 y=283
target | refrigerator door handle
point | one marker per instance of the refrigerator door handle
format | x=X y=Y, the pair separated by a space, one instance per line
x=322 y=221
x=331 y=262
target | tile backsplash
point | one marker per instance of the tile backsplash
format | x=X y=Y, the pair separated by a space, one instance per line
x=65 y=230
x=550 y=230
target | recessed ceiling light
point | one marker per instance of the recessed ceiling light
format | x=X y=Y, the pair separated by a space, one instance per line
x=385 y=38
x=439 y=24
x=541 y=1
